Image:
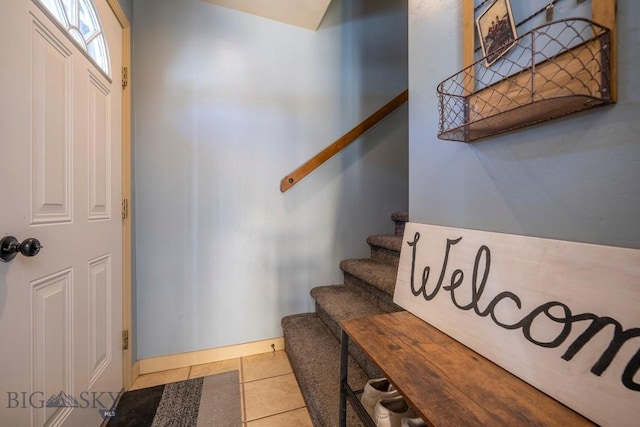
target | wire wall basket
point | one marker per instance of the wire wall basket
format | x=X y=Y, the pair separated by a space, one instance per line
x=553 y=70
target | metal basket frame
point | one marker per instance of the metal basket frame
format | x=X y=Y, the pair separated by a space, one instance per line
x=555 y=69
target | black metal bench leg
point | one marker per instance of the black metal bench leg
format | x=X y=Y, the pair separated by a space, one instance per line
x=344 y=364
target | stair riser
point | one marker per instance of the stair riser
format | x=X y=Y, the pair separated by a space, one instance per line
x=385 y=255
x=314 y=371
x=372 y=294
x=400 y=219
x=367 y=366
x=399 y=228
x=313 y=406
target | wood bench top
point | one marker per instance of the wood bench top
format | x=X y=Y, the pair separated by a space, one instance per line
x=447 y=383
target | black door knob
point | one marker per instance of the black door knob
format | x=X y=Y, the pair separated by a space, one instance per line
x=9 y=248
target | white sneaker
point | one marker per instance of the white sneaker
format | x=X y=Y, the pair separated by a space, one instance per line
x=374 y=390
x=390 y=412
x=412 y=422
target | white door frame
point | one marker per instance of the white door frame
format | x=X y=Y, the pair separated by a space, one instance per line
x=128 y=365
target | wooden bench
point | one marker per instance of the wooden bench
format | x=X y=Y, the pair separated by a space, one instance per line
x=445 y=382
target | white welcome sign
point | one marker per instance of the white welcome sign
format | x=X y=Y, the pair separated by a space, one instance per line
x=562 y=316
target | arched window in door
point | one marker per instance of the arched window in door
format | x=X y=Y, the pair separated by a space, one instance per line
x=80 y=19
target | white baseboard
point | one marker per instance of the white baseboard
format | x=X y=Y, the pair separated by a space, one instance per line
x=174 y=361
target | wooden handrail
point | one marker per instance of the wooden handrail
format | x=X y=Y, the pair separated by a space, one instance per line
x=312 y=164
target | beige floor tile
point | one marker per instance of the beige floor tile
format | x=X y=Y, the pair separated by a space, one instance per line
x=271 y=396
x=163 y=377
x=265 y=365
x=297 y=418
x=213 y=368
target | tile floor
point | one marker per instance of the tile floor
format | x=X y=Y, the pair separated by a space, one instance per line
x=270 y=393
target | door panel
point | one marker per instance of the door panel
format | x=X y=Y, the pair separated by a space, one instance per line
x=99 y=146
x=100 y=316
x=51 y=138
x=60 y=181
x=52 y=342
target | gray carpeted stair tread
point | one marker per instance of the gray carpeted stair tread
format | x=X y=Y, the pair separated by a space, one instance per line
x=340 y=303
x=343 y=303
x=400 y=216
x=391 y=242
x=314 y=354
x=376 y=273
x=385 y=248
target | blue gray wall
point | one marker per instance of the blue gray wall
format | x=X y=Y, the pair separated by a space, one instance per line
x=225 y=105
x=575 y=178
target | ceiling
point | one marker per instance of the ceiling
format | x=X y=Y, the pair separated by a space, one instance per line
x=301 y=13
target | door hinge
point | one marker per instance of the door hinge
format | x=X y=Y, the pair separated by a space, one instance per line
x=125 y=208
x=125 y=340
x=125 y=77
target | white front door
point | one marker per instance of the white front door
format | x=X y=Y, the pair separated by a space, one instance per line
x=60 y=182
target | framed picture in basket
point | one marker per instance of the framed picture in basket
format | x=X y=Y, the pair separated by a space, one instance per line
x=496 y=30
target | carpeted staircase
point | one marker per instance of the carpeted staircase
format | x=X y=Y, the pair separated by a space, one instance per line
x=312 y=340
